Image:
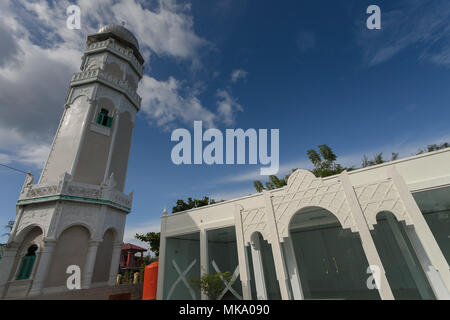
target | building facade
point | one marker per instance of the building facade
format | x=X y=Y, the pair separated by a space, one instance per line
x=380 y=232
x=75 y=214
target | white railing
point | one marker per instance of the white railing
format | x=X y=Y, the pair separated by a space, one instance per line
x=76 y=191
x=118 y=84
x=118 y=50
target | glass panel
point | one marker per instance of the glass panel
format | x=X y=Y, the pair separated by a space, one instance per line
x=270 y=274
x=109 y=122
x=100 y=118
x=182 y=264
x=252 y=273
x=403 y=270
x=435 y=205
x=331 y=261
x=223 y=257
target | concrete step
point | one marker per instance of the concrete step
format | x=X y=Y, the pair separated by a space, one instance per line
x=117 y=292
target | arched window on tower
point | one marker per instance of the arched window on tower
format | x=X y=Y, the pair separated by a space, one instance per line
x=104 y=119
x=27 y=263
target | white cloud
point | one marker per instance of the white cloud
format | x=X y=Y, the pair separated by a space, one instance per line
x=41 y=53
x=423 y=24
x=238 y=74
x=227 y=106
x=164 y=103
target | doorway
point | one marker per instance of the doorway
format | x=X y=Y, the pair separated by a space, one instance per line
x=331 y=261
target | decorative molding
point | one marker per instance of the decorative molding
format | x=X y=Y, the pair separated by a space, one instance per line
x=100 y=129
x=255 y=220
x=124 y=53
x=108 y=80
x=305 y=190
x=381 y=196
x=66 y=189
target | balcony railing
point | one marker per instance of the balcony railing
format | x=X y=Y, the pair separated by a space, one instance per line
x=76 y=191
x=112 y=46
x=118 y=84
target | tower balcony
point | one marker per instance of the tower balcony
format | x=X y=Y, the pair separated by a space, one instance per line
x=108 y=80
x=68 y=190
x=111 y=46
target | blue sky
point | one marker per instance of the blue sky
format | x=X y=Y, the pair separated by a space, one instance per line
x=309 y=68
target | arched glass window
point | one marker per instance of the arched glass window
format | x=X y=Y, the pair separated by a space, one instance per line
x=104 y=119
x=27 y=263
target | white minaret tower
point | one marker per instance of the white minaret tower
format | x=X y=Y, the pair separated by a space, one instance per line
x=75 y=215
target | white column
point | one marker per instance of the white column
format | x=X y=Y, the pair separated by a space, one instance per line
x=258 y=270
x=424 y=234
x=368 y=245
x=6 y=264
x=162 y=257
x=293 y=272
x=244 y=272
x=204 y=259
x=278 y=258
x=45 y=258
x=115 y=261
x=88 y=269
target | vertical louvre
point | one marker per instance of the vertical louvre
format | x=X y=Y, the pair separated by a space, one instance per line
x=26 y=267
x=100 y=118
x=109 y=122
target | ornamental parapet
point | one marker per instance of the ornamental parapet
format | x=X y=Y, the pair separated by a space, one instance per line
x=113 y=47
x=65 y=189
x=122 y=86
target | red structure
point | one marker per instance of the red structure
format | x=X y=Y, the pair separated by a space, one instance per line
x=128 y=258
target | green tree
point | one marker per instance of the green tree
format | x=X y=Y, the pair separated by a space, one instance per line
x=273 y=183
x=377 y=159
x=434 y=147
x=324 y=162
x=152 y=238
x=9 y=226
x=191 y=204
x=212 y=284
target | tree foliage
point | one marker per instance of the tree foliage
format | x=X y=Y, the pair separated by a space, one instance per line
x=212 y=284
x=377 y=159
x=324 y=162
x=191 y=204
x=152 y=238
x=434 y=147
x=9 y=226
x=273 y=183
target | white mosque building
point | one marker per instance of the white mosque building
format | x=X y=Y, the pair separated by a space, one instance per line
x=381 y=232
x=75 y=215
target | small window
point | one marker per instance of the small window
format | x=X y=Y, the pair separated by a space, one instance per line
x=27 y=263
x=103 y=118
